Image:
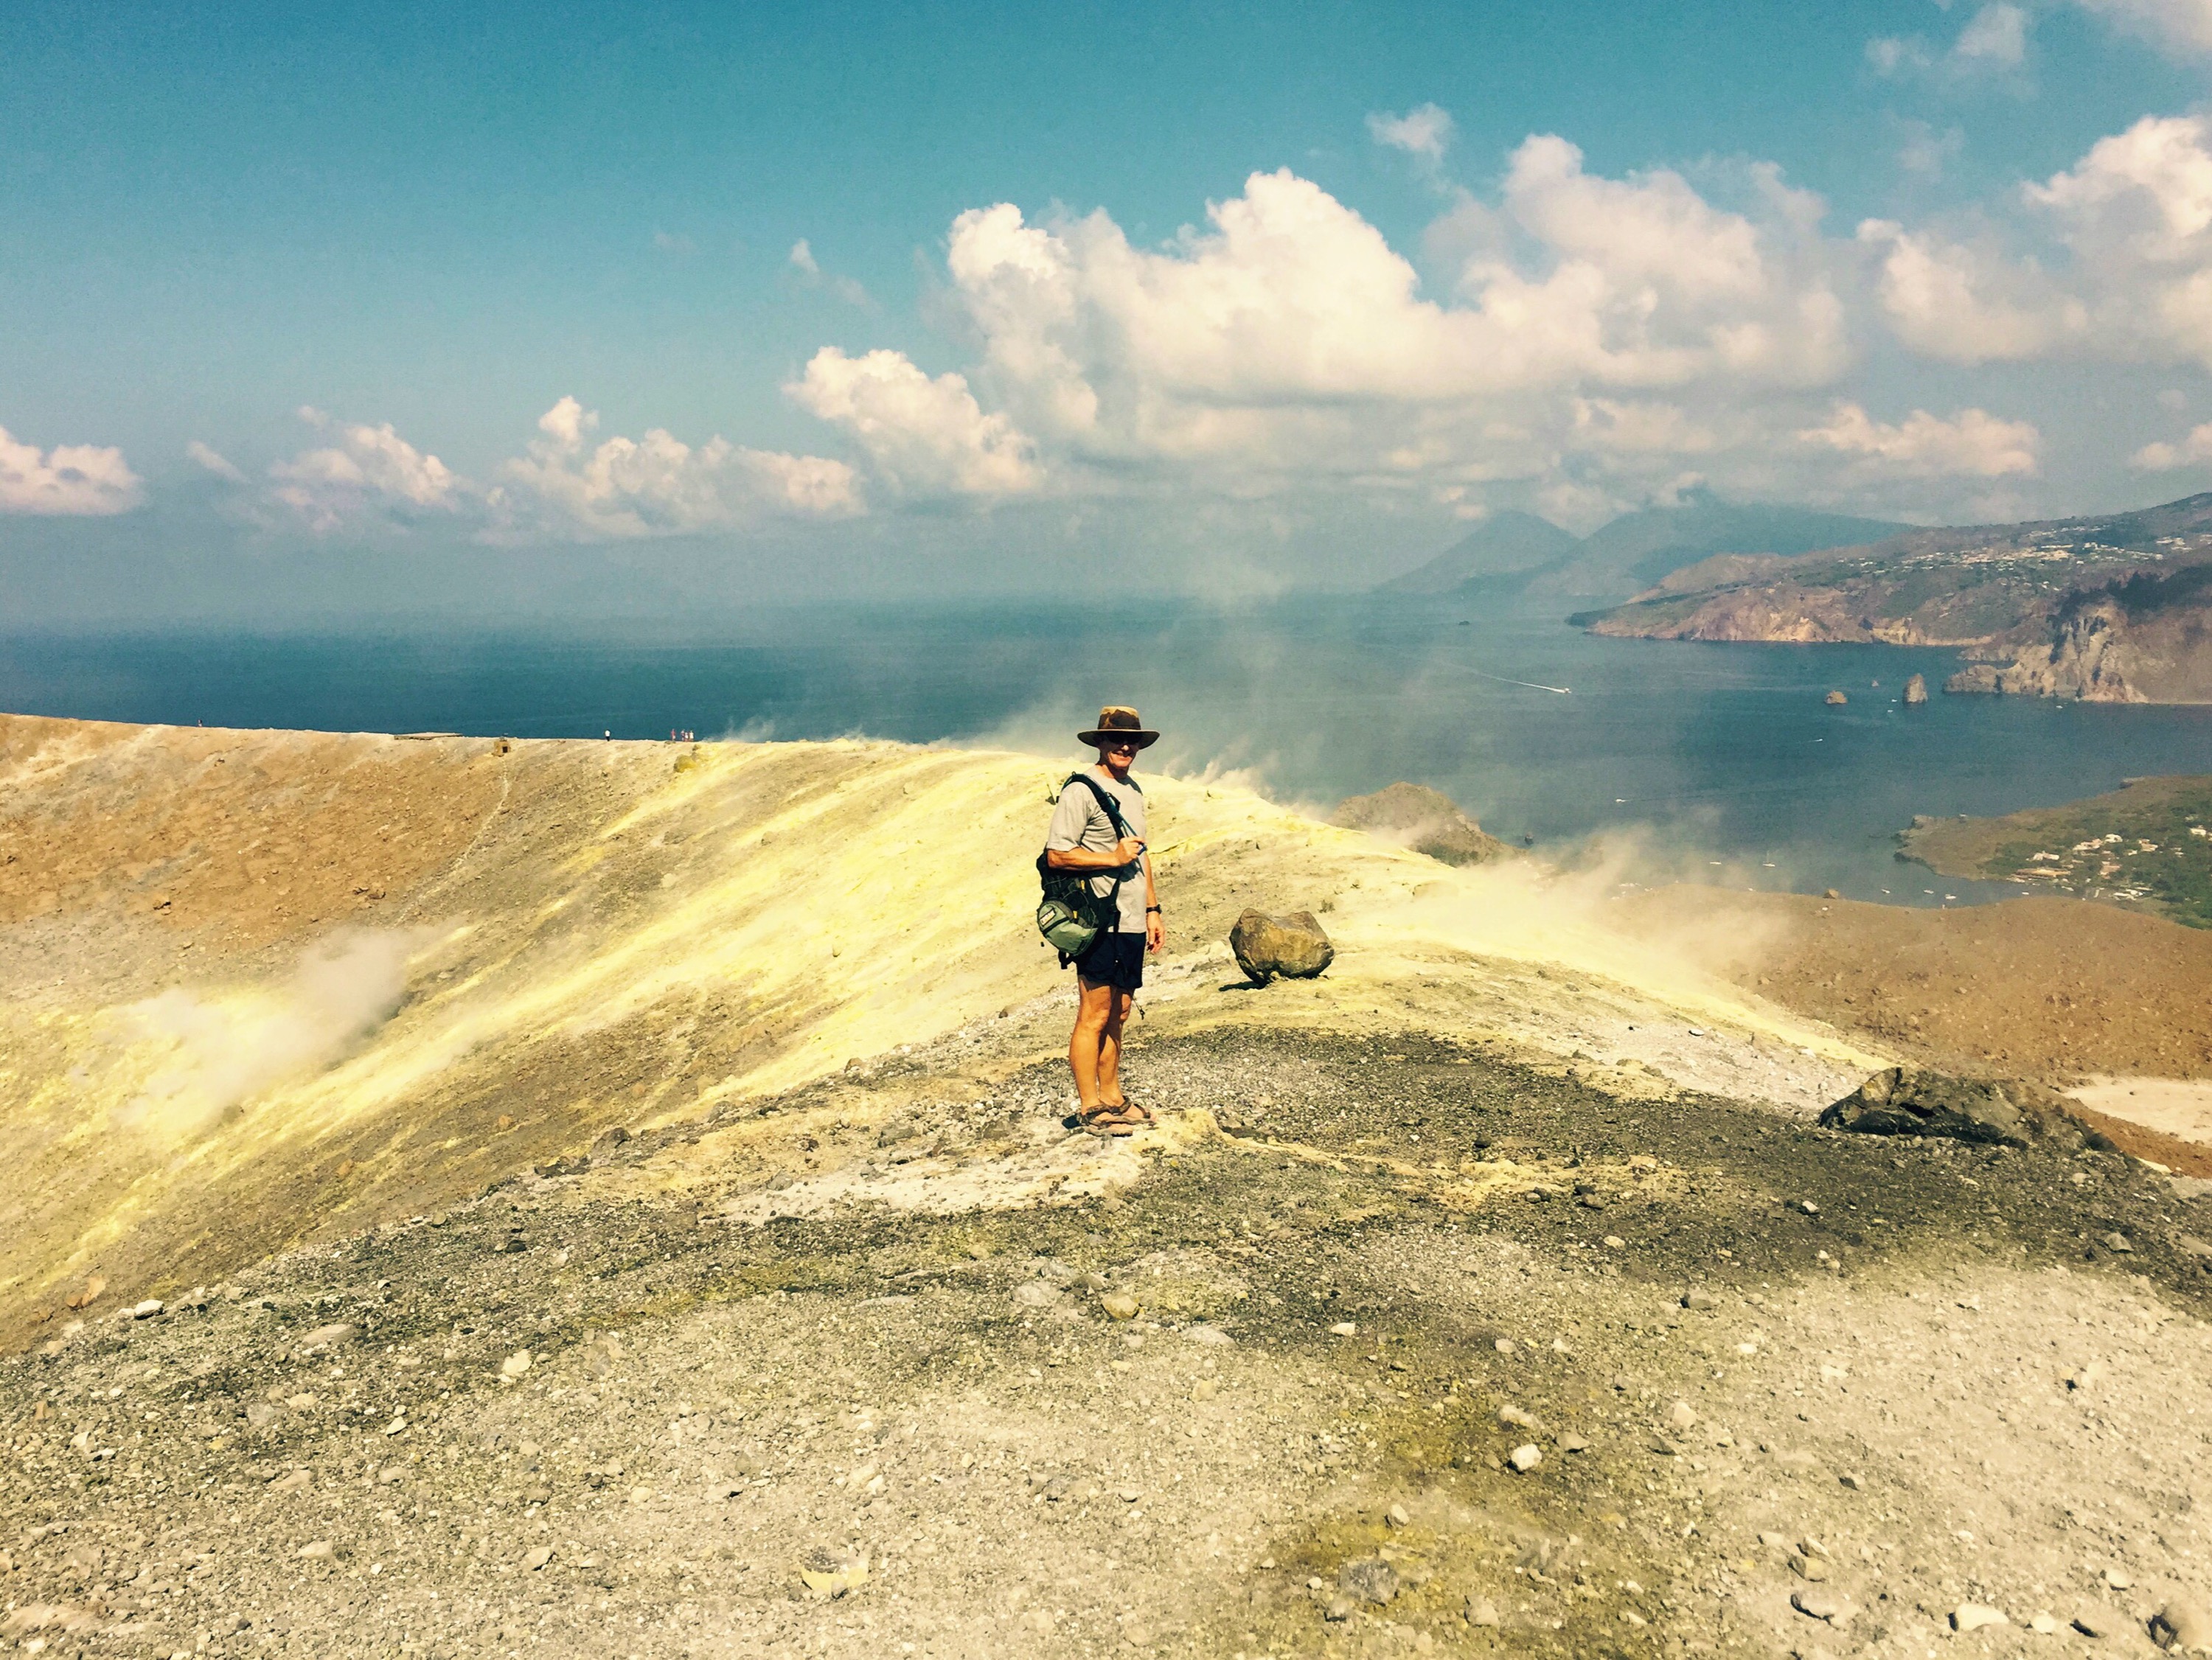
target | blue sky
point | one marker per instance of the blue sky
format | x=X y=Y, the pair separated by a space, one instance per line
x=1932 y=262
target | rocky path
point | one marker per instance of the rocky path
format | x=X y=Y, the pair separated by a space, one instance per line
x=1426 y=1352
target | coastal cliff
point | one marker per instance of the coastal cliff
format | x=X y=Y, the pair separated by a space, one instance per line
x=2116 y=610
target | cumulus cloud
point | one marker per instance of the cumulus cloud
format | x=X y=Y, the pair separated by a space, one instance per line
x=2163 y=456
x=1424 y=133
x=1959 y=304
x=2183 y=27
x=81 y=481
x=563 y=487
x=929 y=436
x=1972 y=444
x=658 y=485
x=365 y=475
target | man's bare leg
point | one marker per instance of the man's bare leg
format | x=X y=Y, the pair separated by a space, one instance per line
x=1110 y=1051
x=1094 y=1012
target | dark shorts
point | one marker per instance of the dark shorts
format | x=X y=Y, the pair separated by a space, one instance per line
x=1116 y=960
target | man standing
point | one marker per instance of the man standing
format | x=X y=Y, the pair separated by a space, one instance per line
x=1084 y=836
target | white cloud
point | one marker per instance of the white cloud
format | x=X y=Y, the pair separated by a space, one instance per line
x=1424 y=133
x=658 y=485
x=928 y=437
x=801 y=259
x=2181 y=27
x=82 y=480
x=1960 y=305
x=1994 y=37
x=1972 y=444
x=563 y=487
x=2136 y=214
x=212 y=460
x=1926 y=152
x=674 y=242
x=2162 y=457
x=1992 y=45
x=368 y=475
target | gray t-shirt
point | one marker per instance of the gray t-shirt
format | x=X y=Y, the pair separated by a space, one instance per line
x=1078 y=821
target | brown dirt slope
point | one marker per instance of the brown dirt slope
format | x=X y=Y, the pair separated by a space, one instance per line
x=2044 y=987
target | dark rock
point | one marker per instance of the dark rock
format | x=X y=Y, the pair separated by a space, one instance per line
x=1916 y=690
x=1370 y=1579
x=1293 y=946
x=1427 y=821
x=1906 y=1100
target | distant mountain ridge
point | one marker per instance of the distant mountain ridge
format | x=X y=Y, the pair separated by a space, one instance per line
x=2115 y=608
x=1517 y=552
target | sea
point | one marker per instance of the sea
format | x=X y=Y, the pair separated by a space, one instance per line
x=1658 y=760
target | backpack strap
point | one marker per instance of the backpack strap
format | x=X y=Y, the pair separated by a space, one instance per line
x=1105 y=801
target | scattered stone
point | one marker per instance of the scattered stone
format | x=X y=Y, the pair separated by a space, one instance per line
x=1481 y=1611
x=1515 y=1418
x=1699 y=1300
x=297 y=1482
x=1808 y=1567
x=1503 y=1345
x=1293 y=947
x=1209 y=1336
x=1345 y=1328
x=537 y=1558
x=2043 y=1625
x=324 y=1338
x=1525 y=1457
x=1774 y=1540
x=1037 y=1293
x=1397 y=1518
x=1119 y=1306
x=1340 y=1608
x=1820 y=1603
x=1573 y=1443
x=1614 y=1242
x=1910 y=1100
x=2118 y=1242
x=321 y=1550
x=515 y=1364
x=2117 y=1580
x=1370 y=1579
x=2182 y=1627
x=2097 y=1620
x=147 y=1310
x=1851 y=1479
x=1681 y=1417
x=1973 y=1616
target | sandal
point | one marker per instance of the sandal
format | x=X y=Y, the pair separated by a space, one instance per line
x=1134 y=1113
x=1104 y=1120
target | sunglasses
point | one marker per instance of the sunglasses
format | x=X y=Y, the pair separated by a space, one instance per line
x=1120 y=749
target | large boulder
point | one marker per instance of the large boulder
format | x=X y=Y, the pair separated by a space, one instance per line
x=1427 y=821
x=1293 y=946
x=1908 y=1101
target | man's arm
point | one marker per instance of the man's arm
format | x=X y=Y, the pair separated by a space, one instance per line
x=1156 y=931
x=1125 y=852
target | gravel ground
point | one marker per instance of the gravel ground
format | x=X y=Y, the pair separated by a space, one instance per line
x=844 y=1376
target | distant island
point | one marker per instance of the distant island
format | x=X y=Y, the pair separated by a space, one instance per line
x=2148 y=846
x=2113 y=610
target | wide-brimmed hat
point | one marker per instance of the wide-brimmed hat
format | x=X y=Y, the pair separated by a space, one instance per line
x=1115 y=722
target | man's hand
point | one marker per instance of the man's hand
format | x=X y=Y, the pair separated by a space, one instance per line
x=1156 y=933
x=1128 y=851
